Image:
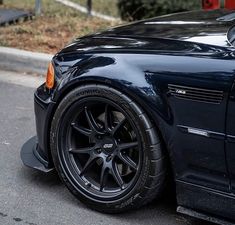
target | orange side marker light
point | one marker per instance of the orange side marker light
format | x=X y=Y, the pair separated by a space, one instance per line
x=50 y=78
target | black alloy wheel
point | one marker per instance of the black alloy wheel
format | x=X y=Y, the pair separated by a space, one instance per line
x=102 y=149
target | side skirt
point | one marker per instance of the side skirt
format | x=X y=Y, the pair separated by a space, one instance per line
x=195 y=214
x=205 y=203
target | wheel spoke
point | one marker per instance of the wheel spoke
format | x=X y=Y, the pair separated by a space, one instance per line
x=103 y=147
x=107 y=118
x=103 y=177
x=88 y=165
x=127 y=160
x=118 y=126
x=82 y=150
x=82 y=130
x=91 y=121
x=116 y=175
x=127 y=145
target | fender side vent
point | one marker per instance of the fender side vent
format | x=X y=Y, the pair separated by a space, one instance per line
x=196 y=94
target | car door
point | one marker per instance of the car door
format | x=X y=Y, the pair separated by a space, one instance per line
x=230 y=140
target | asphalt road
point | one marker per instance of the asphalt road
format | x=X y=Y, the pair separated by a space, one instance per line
x=28 y=197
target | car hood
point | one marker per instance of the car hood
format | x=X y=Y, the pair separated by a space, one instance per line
x=209 y=27
x=189 y=31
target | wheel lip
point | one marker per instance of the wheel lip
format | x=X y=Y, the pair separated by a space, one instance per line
x=69 y=175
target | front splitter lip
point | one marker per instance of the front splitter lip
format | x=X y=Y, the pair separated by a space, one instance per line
x=30 y=157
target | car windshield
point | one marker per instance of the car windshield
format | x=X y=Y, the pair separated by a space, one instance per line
x=227 y=18
x=231 y=32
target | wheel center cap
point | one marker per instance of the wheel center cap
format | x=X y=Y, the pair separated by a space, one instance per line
x=108 y=145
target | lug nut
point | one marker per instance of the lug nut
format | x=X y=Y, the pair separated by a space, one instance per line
x=88 y=184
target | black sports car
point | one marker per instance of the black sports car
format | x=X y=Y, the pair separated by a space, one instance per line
x=124 y=111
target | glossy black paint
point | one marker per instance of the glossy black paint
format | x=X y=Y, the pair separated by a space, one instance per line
x=189 y=50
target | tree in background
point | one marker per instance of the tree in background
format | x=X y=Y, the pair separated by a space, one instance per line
x=1 y=2
x=141 y=9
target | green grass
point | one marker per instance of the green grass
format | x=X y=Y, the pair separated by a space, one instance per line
x=108 y=7
x=50 y=8
x=56 y=27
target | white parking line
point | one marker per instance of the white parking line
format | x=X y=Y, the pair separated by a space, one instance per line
x=26 y=80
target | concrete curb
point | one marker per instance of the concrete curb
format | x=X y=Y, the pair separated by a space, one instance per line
x=24 y=61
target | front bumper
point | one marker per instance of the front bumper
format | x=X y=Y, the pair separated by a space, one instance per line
x=35 y=153
x=31 y=158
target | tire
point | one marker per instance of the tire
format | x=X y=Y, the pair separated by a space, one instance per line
x=127 y=184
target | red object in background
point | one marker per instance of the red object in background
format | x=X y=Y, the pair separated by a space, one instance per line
x=212 y=4
x=229 y=4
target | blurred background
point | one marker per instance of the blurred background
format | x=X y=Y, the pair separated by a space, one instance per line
x=48 y=25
